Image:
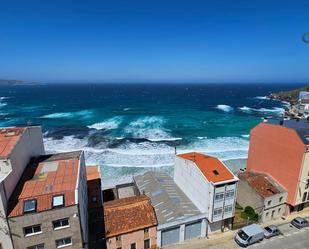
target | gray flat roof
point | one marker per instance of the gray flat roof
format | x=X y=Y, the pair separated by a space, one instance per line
x=169 y=202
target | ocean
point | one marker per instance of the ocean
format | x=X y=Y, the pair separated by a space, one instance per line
x=128 y=129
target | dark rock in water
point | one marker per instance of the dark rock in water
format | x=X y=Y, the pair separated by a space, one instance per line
x=98 y=136
x=58 y=132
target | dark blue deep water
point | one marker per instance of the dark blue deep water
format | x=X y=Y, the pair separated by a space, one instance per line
x=127 y=129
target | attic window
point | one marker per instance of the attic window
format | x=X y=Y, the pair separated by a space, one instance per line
x=215 y=172
x=29 y=206
x=58 y=201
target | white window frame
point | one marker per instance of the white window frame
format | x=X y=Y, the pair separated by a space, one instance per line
x=33 y=233
x=221 y=196
x=229 y=207
x=65 y=244
x=230 y=194
x=61 y=227
x=216 y=210
x=36 y=246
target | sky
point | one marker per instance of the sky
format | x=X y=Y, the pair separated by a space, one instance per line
x=154 y=41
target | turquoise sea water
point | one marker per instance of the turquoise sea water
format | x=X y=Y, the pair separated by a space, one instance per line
x=127 y=129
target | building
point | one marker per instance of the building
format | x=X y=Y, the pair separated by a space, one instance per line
x=178 y=218
x=130 y=223
x=95 y=208
x=48 y=208
x=210 y=185
x=17 y=147
x=263 y=194
x=303 y=103
x=281 y=150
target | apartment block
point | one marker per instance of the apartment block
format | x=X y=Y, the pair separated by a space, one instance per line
x=49 y=207
x=17 y=147
x=130 y=223
x=210 y=185
x=263 y=194
x=281 y=150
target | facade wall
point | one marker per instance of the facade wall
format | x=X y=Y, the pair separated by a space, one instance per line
x=48 y=235
x=137 y=237
x=29 y=145
x=82 y=199
x=193 y=183
x=279 y=152
x=304 y=178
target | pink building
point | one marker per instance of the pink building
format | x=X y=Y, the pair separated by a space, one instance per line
x=130 y=223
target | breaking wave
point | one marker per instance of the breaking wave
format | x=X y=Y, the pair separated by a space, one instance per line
x=109 y=124
x=67 y=115
x=275 y=110
x=130 y=157
x=262 y=97
x=225 y=108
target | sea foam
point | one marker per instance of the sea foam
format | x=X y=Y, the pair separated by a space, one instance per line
x=66 y=115
x=225 y=108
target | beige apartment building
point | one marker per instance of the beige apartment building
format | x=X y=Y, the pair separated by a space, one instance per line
x=48 y=208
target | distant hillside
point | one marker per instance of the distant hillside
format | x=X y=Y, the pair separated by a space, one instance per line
x=10 y=82
x=289 y=96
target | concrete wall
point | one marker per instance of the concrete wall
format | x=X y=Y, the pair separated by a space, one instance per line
x=304 y=177
x=137 y=237
x=247 y=196
x=48 y=235
x=279 y=152
x=82 y=199
x=29 y=145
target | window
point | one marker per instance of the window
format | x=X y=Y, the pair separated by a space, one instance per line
x=40 y=246
x=29 y=206
x=268 y=203
x=146 y=230
x=94 y=199
x=228 y=209
x=267 y=214
x=217 y=211
x=147 y=244
x=219 y=196
x=63 y=242
x=305 y=196
x=118 y=238
x=29 y=231
x=133 y=246
x=58 y=201
x=60 y=224
x=280 y=199
x=229 y=194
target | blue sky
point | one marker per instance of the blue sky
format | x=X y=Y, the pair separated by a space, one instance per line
x=154 y=41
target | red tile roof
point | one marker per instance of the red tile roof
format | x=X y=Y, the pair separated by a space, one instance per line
x=8 y=139
x=211 y=167
x=128 y=214
x=261 y=183
x=94 y=186
x=45 y=177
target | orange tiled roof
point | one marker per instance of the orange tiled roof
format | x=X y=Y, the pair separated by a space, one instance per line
x=8 y=140
x=45 y=177
x=262 y=183
x=128 y=215
x=94 y=186
x=211 y=167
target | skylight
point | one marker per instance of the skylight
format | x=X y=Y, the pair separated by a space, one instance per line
x=29 y=206
x=58 y=201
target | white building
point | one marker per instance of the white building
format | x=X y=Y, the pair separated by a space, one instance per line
x=210 y=185
x=303 y=103
x=17 y=147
